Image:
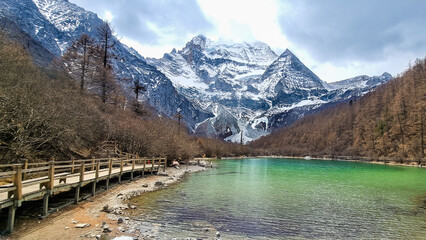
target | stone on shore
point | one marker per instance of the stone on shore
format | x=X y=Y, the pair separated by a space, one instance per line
x=82 y=225
x=104 y=236
x=159 y=184
x=162 y=174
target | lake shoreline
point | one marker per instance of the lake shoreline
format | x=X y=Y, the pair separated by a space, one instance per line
x=344 y=159
x=104 y=214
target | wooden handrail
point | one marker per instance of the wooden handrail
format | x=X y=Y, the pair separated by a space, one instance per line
x=7 y=174
x=45 y=174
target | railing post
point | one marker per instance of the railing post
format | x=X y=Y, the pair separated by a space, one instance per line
x=143 y=170
x=17 y=182
x=24 y=176
x=98 y=164
x=77 y=190
x=121 y=169
x=82 y=170
x=109 y=172
x=133 y=167
x=93 y=163
x=51 y=174
x=72 y=165
x=152 y=166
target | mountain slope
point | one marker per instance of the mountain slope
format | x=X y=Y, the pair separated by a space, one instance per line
x=56 y=23
x=257 y=90
x=388 y=122
x=220 y=88
x=287 y=80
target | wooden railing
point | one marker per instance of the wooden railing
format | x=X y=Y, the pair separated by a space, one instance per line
x=31 y=180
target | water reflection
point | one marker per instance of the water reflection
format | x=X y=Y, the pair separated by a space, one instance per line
x=275 y=199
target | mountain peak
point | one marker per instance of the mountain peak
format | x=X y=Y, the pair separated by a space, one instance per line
x=199 y=40
x=287 y=54
x=288 y=74
x=387 y=75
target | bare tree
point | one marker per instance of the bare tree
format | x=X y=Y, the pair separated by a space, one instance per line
x=79 y=58
x=104 y=53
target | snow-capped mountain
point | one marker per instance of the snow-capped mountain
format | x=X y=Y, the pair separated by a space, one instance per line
x=223 y=89
x=54 y=24
x=363 y=81
x=249 y=89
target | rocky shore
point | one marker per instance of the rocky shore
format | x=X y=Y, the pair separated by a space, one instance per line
x=104 y=216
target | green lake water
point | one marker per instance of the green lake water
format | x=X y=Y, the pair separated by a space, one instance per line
x=291 y=199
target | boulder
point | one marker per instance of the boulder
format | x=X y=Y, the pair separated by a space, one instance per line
x=159 y=184
x=106 y=209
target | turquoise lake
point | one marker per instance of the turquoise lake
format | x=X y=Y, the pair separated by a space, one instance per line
x=291 y=199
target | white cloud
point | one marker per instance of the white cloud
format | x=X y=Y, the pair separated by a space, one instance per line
x=108 y=16
x=245 y=20
x=335 y=39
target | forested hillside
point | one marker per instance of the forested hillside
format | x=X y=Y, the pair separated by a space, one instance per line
x=46 y=112
x=388 y=122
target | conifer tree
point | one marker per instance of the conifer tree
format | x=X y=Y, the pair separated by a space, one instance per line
x=79 y=59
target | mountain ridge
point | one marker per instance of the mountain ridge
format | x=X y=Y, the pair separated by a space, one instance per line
x=262 y=94
x=240 y=80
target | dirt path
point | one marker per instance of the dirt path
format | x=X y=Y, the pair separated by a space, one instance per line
x=62 y=224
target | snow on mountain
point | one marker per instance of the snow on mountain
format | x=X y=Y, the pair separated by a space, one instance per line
x=56 y=23
x=223 y=89
x=361 y=82
x=288 y=73
x=248 y=88
x=287 y=80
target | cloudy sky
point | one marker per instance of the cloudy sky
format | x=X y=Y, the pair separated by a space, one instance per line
x=335 y=39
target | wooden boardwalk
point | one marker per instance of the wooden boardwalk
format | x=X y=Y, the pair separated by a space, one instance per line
x=42 y=180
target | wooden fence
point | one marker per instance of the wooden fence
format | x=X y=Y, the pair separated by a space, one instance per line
x=44 y=179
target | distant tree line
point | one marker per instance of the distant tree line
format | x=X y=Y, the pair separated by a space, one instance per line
x=386 y=123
